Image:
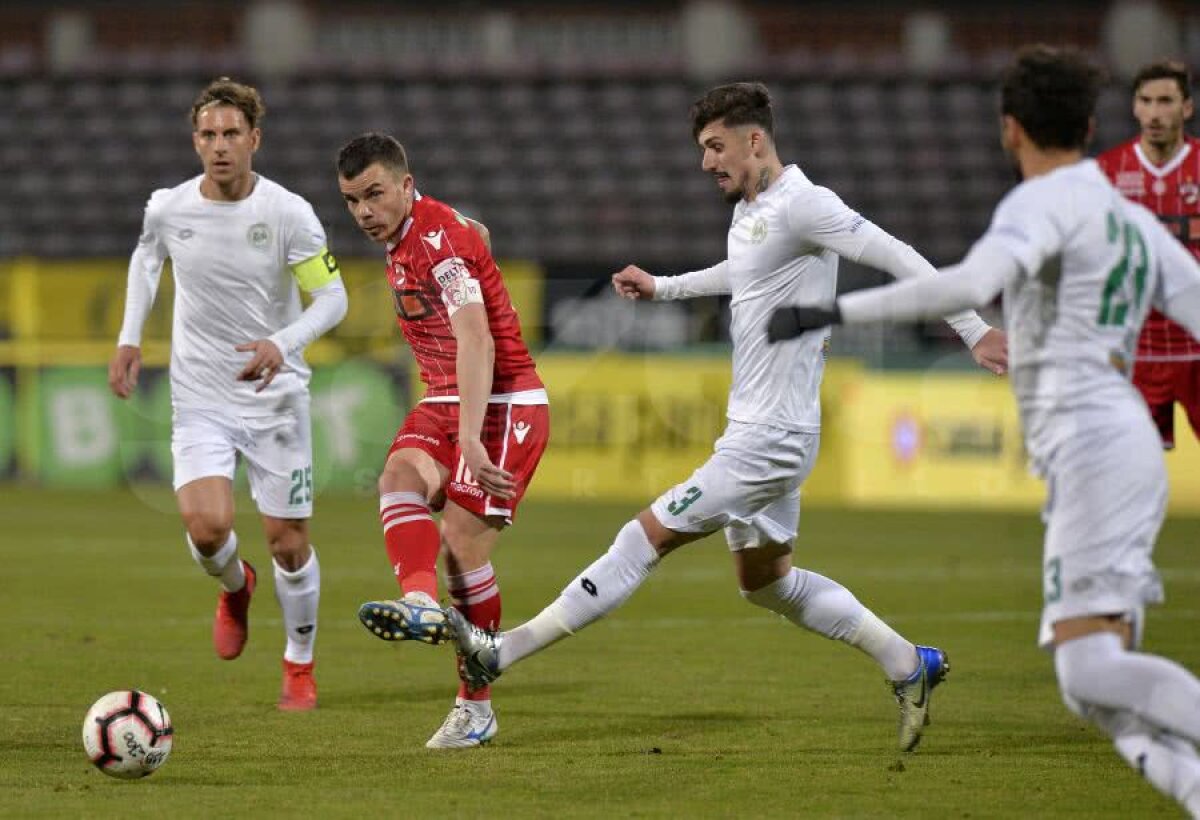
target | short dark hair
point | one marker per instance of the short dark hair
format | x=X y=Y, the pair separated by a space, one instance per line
x=1052 y=93
x=224 y=91
x=734 y=104
x=1165 y=70
x=367 y=149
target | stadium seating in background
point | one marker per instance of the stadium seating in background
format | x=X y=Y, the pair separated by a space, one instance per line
x=593 y=169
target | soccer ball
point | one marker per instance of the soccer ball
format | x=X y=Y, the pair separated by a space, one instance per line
x=127 y=734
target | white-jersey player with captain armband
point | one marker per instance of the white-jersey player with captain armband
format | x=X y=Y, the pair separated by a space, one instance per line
x=241 y=248
x=783 y=246
x=1080 y=267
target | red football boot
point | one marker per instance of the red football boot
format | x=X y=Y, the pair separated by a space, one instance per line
x=299 y=687
x=232 y=625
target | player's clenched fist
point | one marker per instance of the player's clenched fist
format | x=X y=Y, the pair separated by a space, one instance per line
x=633 y=283
x=123 y=370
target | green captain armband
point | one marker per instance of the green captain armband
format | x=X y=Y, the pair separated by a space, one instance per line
x=317 y=272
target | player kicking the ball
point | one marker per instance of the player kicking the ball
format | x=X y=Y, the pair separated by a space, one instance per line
x=239 y=245
x=470 y=447
x=784 y=243
x=1079 y=266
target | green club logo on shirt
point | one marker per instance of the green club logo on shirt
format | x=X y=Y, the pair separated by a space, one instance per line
x=258 y=235
x=758 y=232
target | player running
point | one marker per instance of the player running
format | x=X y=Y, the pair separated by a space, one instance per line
x=1079 y=266
x=1160 y=168
x=470 y=447
x=239 y=245
x=784 y=244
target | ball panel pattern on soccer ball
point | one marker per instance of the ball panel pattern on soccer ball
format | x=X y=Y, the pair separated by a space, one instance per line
x=127 y=734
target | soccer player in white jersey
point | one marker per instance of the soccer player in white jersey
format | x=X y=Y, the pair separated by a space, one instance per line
x=784 y=244
x=1079 y=266
x=239 y=246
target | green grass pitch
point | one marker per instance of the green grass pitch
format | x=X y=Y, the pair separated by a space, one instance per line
x=686 y=702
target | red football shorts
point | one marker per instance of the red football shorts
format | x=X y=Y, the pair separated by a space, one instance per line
x=1164 y=383
x=515 y=436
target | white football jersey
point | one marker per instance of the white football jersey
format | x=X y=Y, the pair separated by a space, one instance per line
x=233 y=284
x=1091 y=265
x=783 y=250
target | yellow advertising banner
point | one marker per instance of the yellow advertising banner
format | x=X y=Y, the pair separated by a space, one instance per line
x=937 y=439
x=952 y=440
x=624 y=426
x=68 y=312
x=627 y=427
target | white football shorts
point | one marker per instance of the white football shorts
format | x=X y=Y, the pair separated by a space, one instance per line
x=750 y=487
x=1106 y=499
x=277 y=451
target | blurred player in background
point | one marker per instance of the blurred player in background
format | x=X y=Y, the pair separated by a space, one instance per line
x=1160 y=168
x=1079 y=266
x=470 y=447
x=239 y=245
x=783 y=246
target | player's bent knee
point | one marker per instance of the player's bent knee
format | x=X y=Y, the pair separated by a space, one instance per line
x=400 y=476
x=769 y=595
x=663 y=540
x=287 y=541
x=208 y=533
x=759 y=568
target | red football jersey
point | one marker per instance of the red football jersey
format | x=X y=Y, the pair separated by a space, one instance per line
x=439 y=265
x=1173 y=192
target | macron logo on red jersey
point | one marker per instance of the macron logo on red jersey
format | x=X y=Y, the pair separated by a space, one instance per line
x=434 y=238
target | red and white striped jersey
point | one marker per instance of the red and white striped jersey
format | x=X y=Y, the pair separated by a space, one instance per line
x=1172 y=191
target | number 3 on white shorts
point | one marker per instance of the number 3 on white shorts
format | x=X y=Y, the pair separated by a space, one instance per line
x=1053 y=590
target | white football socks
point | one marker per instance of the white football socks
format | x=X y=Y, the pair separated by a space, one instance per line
x=299 y=594
x=1097 y=670
x=224 y=564
x=594 y=593
x=1169 y=763
x=824 y=606
x=1148 y=705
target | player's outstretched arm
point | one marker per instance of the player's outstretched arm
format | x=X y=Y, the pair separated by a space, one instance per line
x=712 y=281
x=789 y=322
x=988 y=345
x=975 y=281
x=818 y=215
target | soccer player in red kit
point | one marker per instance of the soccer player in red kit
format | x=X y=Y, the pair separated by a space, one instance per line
x=470 y=447
x=1160 y=168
